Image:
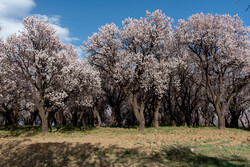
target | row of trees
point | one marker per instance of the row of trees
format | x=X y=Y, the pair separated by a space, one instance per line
x=145 y=73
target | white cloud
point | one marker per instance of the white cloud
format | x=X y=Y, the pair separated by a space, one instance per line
x=11 y=14
x=9 y=26
x=15 y=8
x=13 y=11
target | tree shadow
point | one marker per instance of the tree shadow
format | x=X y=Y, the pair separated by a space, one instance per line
x=184 y=154
x=57 y=154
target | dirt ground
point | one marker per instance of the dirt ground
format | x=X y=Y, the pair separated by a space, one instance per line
x=165 y=146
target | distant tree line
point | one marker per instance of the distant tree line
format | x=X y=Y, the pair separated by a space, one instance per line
x=145 y=73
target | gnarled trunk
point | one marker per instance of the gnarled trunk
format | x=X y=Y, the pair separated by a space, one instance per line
x=97 y=116
x=138 y=111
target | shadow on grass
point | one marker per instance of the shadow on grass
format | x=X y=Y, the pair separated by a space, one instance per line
x=180 y=154
x=86 y=154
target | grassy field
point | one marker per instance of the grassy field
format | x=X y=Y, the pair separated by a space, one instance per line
x=164 y=146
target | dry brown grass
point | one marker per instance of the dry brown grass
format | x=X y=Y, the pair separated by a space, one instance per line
x=165 y=146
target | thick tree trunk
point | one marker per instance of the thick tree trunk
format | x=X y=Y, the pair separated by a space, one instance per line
x=39 y=101
x=156 y=120
x=141 y=124
x=221 y=119
x=97 y=116
x=156 y=114
x=45 y=125
x=216 y=98
x=44 y=118
x=139 y=113
x=141 y=118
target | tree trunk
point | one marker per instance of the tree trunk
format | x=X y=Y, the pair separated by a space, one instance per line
x=172 y=113
x=139 y=115
x=97 y=116
x=206 y=116
x=141 y=118
x=44 y=124
x=221 y=119
x=156 y=114
x=14 y=121
x=141 y=124
x=112 y=118
x=81 y=121
x=156 y=120
x=44 y=118
x=39 y=101
x=183 y=118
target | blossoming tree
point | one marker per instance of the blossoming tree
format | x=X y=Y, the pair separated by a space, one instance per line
x=219 y=45
x=137 y=57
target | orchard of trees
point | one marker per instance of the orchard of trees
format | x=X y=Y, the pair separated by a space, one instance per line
x=146 y=73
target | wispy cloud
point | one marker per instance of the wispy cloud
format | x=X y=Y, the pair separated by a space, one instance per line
x=63 y=32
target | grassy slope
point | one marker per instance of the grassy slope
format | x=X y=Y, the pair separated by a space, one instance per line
x=165 y=146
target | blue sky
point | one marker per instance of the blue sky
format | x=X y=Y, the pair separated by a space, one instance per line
x=75 y=20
